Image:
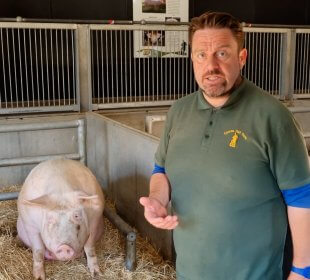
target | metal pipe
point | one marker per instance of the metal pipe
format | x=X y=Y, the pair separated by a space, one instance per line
x=247 y=24
x=299 y=109
x=8 y=196
x=35 y=160
x=130 y=261
x=39 y=126
x=89 y=21
x=82 y=141
x=118 y=222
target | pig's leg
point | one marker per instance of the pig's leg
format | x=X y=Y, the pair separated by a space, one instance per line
x=96 y=229
x=38 y=250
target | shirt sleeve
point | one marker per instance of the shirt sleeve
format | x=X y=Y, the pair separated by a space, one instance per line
x=160 y=155
x=158 y=169
x=288 y=156
x=297 y=197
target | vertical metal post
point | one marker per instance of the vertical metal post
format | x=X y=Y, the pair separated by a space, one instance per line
x=84 y=86
x=82 y=140
x=287 y=66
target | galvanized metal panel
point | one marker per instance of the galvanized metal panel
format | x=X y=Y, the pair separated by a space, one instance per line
x=125 y=156
x=27 y=141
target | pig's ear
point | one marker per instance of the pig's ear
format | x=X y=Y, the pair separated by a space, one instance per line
x=43 y=201
x=88 y=200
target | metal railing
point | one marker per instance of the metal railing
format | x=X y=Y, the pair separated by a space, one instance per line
x=302 y=63
x=128 y=69
x=68 y=67
x=38 y=67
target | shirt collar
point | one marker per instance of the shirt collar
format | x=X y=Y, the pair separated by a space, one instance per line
x=234 y=97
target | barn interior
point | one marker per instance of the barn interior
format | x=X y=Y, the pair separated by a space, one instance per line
x=74 y=85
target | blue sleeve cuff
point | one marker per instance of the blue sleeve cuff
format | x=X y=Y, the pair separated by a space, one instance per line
x=158 y=169
x=297 y=197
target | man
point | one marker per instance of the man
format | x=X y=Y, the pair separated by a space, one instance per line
x=236 y=166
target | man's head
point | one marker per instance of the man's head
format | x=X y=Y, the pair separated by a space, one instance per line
x=217 y=53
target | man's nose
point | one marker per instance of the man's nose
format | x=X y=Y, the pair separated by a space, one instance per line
x=211 y=63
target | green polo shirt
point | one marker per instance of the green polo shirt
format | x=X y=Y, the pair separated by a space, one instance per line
x=227 y=168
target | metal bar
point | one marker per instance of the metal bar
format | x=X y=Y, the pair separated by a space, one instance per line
x=34 y=160
x=57 y=68
x=20 y=69
x=273 y=62
x=68 y=68
x=126 y=66
x=37 y=110
x=96 y=66
x=62 y=68
x=130 y=54
x=141 y=27
x=107 y=59
x=75 y=69
x=300 y=109
x=26 y=64
x=119 y=223
x=14 y=60
x=121 y=62
x=112 y=74
x=135 y=104
x=308 y=70
x=102 y=77
x=42 y=68
x=41 y=24
x=8 y=196
x=9 y=64
x=82 y=140
x=31 y=67
x=139 y=68
x=40 y=126
x=52 y=61
x=130 y=259
x=92 y=64
x=303 y=65
x=116 y=65
x=21 y=20
x=4 y=76
x=47 y=71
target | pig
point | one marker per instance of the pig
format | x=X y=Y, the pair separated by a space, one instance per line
x=60 y=208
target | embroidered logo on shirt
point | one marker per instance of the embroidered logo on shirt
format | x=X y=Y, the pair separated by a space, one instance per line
x=235 y=137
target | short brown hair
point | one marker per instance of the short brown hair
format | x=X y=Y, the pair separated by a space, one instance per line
x=217 y=20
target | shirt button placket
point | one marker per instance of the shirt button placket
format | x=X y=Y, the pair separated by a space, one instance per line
x=208 y=130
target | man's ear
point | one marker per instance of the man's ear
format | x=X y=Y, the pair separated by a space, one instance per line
x=242 y=57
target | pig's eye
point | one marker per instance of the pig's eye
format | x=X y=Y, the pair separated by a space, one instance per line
x=77 y=217
x=78 y=227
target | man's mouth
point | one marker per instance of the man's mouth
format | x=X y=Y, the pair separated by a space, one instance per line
x=214 y=78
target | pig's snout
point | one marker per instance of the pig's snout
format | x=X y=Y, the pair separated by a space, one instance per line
x=64 y=252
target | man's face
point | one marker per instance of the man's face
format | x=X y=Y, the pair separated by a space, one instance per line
x=217 y=60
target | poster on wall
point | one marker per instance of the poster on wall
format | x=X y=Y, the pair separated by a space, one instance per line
x=153 y=42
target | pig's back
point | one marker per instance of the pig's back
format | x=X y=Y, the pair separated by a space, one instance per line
x=59 y=176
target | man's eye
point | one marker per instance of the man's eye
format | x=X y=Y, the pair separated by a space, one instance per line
x=201 y=55
x=222 y=54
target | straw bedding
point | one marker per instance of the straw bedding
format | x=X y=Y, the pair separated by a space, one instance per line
x=16 y=259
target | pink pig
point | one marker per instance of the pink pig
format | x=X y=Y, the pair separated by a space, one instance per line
x=60 y=210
